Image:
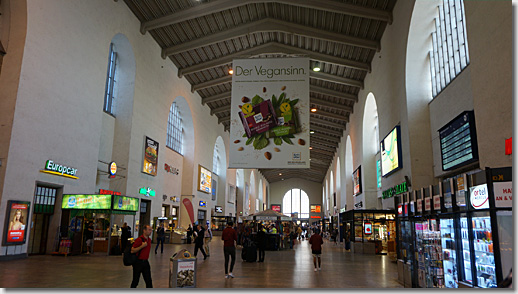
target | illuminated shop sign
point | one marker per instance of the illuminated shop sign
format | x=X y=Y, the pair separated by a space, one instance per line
x=108 y=192
x=396 y=190
x=60 y=170
x=219 y=209
x=80 y=201
x=203 y=203
x=368 y=229
x=170 y=169
x=315 y=216
x=276 y=207
x=146 y=191
x=112 y=169
x=479 y=197
x=125 y=203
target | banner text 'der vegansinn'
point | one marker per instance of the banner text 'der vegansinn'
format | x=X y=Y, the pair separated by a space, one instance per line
x=269 y=117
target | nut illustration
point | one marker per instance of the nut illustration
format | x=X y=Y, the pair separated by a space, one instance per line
x=236 y=141
x=283 y=88
x=240 y=106
x=240 y=149
x=276 y=149
x=268 y=155
x=302 y=142
x=245 y=99
x=264 y=89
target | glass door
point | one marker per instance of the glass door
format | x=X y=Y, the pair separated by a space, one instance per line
x=483 y=245
x=466 y=253
x=449 y=253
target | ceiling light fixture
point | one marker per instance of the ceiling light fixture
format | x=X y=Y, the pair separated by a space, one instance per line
x=310 y=148
x=316 y=67
x=313 y=110
x=230 y=71
x=311 y=132
x=280 y=174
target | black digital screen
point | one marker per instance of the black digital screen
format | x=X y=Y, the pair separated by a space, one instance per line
x=459 y=141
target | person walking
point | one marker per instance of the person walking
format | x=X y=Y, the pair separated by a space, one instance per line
x=229 y=237
x=208 y=238
x=160 y=238
x=299 y=233
x=142 y=246
x=189 y=234
x=90 y=238
x=198 y=241
x=316 y=242
x=261 y=242
x=125 y=235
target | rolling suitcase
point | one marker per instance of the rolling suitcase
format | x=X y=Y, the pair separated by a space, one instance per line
x=251 y=253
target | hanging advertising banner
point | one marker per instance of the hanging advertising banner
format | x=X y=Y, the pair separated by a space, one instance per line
x=15 y=229
x=357 y=181
x=125 y=203
x=150 y=157
x=269 y=117
x=75 y=201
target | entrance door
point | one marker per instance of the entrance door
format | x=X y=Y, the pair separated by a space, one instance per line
x=39 y=233
x=145 y=215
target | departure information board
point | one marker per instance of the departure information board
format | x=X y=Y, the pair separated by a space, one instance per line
x=459 y=142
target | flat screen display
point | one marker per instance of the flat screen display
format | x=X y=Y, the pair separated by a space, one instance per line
x=357 y=181
x=204 y=180
x=391 y=160
x=459 y=142
x=15 y=230
x=125 y=203
x=316 y=208
x=80 y=201
x=276 y=207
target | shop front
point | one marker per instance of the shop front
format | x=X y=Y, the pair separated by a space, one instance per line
x=371 y=231
x=108 y=213
x=462 y=229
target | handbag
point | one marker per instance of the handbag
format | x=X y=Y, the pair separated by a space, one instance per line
x=129 y=258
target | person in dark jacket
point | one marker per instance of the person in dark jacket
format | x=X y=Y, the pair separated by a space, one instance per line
x=160 y=238
x=189 y=234
x=198 y=241
x=261 y=242
x=125 y=235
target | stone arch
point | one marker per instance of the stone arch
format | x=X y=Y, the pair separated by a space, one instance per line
x=348 y=179
x=370 y=146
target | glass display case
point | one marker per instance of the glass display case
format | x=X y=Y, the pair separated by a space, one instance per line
x=429 y=254
x=484 y=254
x=449 y=253
x=466 y=255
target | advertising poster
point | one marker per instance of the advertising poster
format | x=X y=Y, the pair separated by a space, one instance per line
x=79 y=201
x=390 y=149
x=316 y=208
x=125 y=203
x=204 y=180
x=15 y=231
x=357 y=181
x=150 y=157
x=185 y=274
x=269 y=117
x=276 y=207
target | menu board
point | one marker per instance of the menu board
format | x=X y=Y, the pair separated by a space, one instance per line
x=150 y=157
x=459 y=141
x=391 y=159
x=125 y=203
x=357 y=181
x=15 y=229
x=204 y=180
x=75 y=201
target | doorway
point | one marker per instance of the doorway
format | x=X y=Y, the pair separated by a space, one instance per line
x=145 y=215
x=44 y=200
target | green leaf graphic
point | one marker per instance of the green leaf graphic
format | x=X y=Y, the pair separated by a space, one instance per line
x=287 y=140
x=256 y=100
x=277 y=141
x=250 y=140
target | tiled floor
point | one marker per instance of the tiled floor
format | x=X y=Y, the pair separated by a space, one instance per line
x=281 y=269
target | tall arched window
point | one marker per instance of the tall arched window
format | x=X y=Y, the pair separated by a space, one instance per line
x=110 y=81
x=296 y=200
x=449 y=54
x=175 y=129
x=215 y=160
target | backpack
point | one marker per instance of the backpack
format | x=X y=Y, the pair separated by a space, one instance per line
x=129 y=258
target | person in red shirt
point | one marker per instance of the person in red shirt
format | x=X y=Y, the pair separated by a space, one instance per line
x=316 y=242
x=229 y=237
x=142 y=246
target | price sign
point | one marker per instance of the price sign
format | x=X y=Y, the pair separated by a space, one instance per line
x=427 y=203
x=437 y=202
x=419 y=205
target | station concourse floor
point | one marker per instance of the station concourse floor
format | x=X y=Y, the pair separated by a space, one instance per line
x=281 y=269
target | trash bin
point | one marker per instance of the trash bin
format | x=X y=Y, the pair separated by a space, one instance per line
x=182 y=270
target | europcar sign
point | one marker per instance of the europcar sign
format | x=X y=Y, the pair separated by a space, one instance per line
x=60 y=170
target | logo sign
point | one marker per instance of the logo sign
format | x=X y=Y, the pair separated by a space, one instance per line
x=503 y=194
x=479 y=197
x=368 y=229
x=427 y=203
x=358 y=205
x=112 y=169
x=219 y=209
x=342 y=210
x=396 y=190
x=400 y=209
x=203 y=203
x=170 y=169
x=108 y=192
x=174 y=199
x=437 y=202
x=269 y=121
x=406 y=208
x=147 y=191
x=81 y=201
x=315 y=216
x=276 y=207
x=60 y=170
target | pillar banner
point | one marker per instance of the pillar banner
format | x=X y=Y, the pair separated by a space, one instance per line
x=269 y=117
x=186 y=211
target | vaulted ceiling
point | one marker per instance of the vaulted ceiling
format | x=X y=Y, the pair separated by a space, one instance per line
x=203 y=37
